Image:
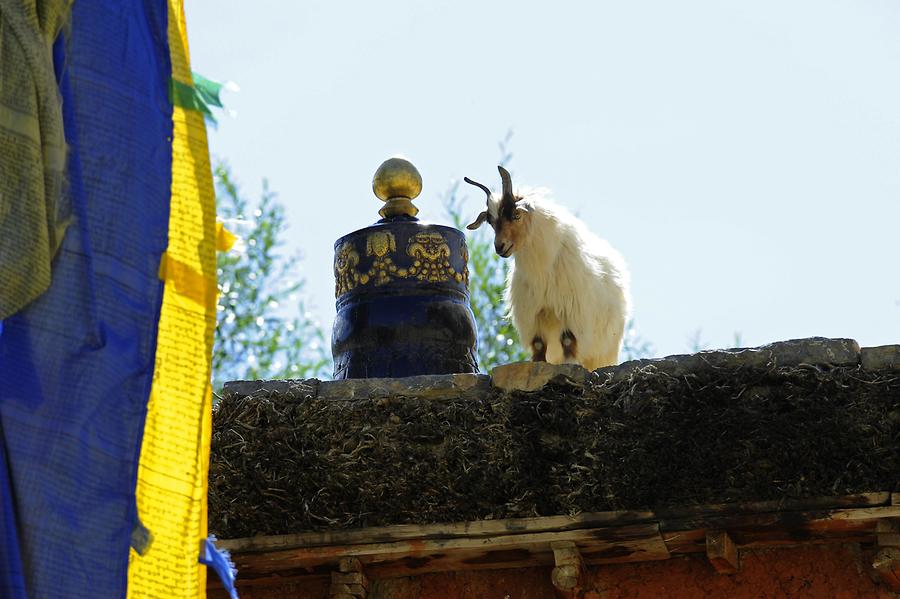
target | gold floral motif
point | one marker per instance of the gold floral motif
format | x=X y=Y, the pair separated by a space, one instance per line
x=383 y=269
x=431 y=256
x=345 y=275
x=379 y=244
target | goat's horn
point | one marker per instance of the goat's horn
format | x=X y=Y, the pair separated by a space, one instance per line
x=507 y=183
x=477 y=184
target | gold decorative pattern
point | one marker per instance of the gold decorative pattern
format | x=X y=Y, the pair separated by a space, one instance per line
x=345 y=276
x=383 y=268
x=431 y=256
x=429 y=250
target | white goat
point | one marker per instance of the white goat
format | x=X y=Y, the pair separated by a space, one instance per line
x=567 y=292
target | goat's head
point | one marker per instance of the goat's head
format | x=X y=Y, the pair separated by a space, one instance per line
x=509 y=216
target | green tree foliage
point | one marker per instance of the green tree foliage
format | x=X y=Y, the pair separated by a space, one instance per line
x=258 y=286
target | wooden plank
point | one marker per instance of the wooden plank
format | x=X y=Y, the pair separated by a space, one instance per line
x=777 y=528
x=602 y=545
x=463 y=560
x=644 y=550
x=685 y=541
x=722 y=552
x=836 y=519
x=887 y=511
x=487 y=528
x=254 y=573
x=400 y=532
x=602 y=538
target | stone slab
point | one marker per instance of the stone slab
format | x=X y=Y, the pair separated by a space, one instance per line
x=533 y=376
x=883 y=357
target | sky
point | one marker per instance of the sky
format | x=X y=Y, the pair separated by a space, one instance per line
x=744 y=157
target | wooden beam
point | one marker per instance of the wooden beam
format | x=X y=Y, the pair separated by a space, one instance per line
x=489 y=528
x=455 y=530
x=349 y=582
x=796 y=525
x=887 y=559
x=568 y=568
x=640 y=542
x=722 y=552
x=601 y=538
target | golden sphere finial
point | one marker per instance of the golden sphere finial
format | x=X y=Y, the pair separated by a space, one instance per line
x=396 y=182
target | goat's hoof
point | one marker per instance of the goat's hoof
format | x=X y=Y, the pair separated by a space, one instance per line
x=538 y=350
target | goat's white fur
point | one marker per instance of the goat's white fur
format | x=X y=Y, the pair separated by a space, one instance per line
x=566 y=278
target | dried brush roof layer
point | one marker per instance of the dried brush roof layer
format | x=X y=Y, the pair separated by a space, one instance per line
x=795 y=419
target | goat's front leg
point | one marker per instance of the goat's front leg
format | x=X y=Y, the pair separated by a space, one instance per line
x=531 y=329
x=569 y=345
x=538 y=349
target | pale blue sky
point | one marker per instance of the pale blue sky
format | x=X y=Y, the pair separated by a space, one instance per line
x=743 y=156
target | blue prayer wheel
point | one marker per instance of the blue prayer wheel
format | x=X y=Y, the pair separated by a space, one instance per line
x=401 y=289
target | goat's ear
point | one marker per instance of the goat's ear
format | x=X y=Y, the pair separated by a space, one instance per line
x=478 y=221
